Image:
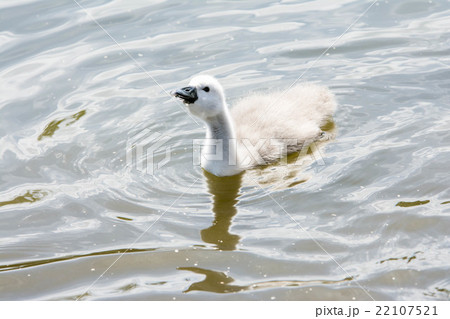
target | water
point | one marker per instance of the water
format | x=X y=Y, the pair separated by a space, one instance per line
x=366 y=219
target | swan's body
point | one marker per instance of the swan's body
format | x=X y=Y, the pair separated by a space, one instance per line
x=261 y=128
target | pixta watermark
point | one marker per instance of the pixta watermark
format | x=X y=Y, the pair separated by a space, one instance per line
x=149 y=151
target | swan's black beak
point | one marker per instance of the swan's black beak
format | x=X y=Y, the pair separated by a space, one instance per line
x=188 y=94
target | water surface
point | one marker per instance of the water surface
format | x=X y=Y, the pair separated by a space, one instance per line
x=81 y=84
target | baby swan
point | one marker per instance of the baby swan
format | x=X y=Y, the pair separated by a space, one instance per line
x=260 y=129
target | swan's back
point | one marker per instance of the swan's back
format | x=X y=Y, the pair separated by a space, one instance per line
x=296 y=114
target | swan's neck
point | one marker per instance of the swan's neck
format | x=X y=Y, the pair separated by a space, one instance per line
x=220 y=127
x=219 y=151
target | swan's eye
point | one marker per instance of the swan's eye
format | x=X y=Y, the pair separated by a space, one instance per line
x=206 y=89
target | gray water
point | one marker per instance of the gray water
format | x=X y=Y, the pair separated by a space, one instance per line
x=366 y=219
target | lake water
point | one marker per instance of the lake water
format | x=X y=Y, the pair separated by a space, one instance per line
x=100 y=194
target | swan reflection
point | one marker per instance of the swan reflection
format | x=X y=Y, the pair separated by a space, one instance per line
x=225 y=194
x=220 y=282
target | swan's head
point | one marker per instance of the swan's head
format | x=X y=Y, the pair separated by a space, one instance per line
x=204 y=97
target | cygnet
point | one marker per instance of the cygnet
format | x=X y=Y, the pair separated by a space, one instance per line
x=261 y=128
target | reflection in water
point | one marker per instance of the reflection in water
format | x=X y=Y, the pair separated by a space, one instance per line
x=39 y=262
x=225 y=193
x=28 y=197
x=53 y=126
x=219 y=282
x=215 y=281
x=407 y=258
x=439 y=293
x=410 y=204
